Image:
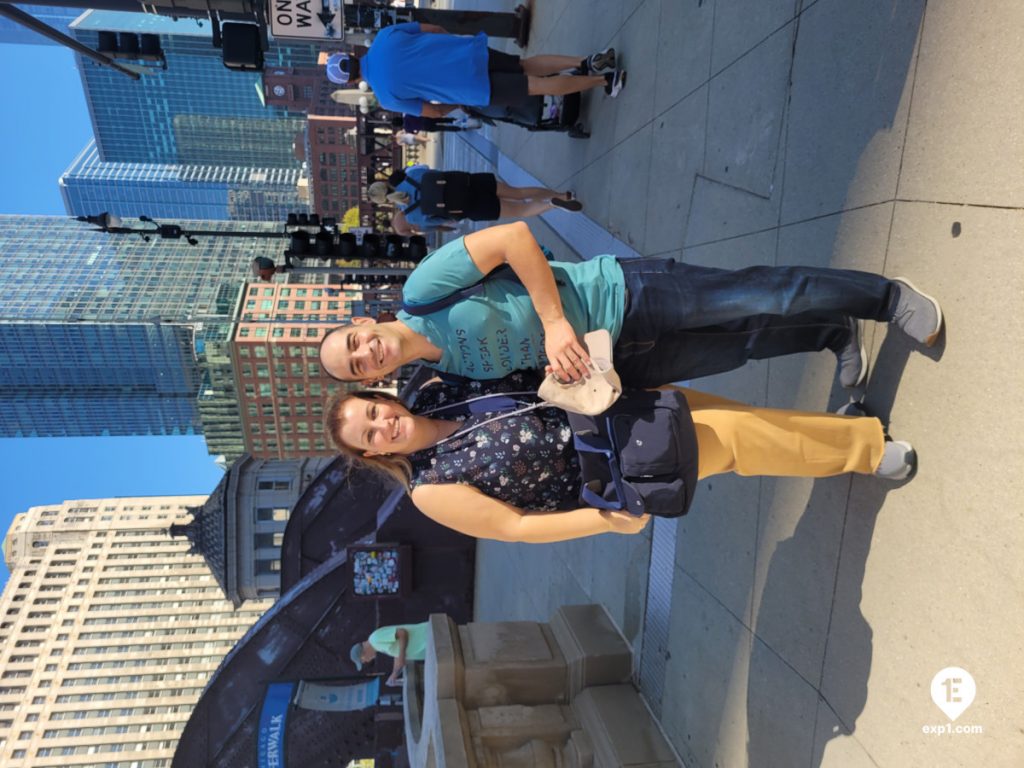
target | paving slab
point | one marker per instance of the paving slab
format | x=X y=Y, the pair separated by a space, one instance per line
x=684 y=35
x=800 y=529
x=776 y=736
x=850 y=99
x=964 y=142
x=740 y=27
x=634 y=106
x=746 y=108
x=720 y=212
x=678 y=134
x=704 y=706
x=628 y=184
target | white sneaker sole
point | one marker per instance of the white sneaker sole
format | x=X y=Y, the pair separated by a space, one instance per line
x=934 y=335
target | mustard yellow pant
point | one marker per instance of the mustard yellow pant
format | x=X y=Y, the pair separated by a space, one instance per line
x=735 y=437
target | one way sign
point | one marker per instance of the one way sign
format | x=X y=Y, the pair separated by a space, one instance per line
x=306 y=19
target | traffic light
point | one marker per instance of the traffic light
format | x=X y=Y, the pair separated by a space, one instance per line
x=417 y=249
x=347 y=247
x=299 y=244
x=323 y=244
x=129 y=45
x=241 y=46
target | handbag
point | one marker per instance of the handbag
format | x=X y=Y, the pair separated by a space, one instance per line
x=590 y=395
x=640 y=455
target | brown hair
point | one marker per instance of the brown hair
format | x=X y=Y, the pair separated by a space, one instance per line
x=396 y=467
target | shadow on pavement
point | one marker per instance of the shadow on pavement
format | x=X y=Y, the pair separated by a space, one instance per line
x=780 y=734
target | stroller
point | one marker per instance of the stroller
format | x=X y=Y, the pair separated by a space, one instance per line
x=538 y=113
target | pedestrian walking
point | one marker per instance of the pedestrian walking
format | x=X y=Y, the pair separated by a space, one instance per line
x=420 y=69
x=429 y=200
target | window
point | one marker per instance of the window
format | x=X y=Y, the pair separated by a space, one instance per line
x=268 y=566
x=274 y=485
x=275 y=539
x=271 y=514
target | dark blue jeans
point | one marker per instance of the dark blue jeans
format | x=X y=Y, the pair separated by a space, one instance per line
x=684 y=321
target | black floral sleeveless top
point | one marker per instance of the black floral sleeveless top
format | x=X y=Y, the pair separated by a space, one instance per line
x=527 y=460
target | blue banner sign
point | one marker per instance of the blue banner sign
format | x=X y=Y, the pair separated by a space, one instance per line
x=335 y=697
x=273 y=719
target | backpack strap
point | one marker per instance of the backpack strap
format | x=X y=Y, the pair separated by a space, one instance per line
x=504 y=272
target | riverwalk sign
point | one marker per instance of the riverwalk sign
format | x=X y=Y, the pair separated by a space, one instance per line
x=306 y=19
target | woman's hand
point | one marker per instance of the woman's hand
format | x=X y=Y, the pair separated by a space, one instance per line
x=623 y=522
x=567 y=357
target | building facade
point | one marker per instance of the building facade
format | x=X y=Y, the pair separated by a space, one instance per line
x=109 y=630
x=194 y=111
x=107 y=334
x=346 y=150
x=239 y=529
x=282 y=389
x=53 y=16
x=176 y=191
x=335 y=178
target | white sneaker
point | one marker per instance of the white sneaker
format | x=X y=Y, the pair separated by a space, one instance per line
x=615 y=82
x=898 y=462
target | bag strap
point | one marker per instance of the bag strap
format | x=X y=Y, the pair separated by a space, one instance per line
x=407 y=178
x=507 y=401
x=504 y=272
x=589 y=442
x=506 y=405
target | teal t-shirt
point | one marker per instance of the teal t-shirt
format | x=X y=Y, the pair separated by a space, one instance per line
x=383 y=640
x=498 y=331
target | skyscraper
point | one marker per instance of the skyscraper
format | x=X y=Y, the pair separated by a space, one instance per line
x=54 y=16
x=107 y=334
x=153 y=118
x=177 y=191
x=109 y=630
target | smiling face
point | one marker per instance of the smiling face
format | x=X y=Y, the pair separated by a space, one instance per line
x=362 y=352
x=375 y=426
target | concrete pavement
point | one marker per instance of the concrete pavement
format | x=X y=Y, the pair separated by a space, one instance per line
x=806 y=620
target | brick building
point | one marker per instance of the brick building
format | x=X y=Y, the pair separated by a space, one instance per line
x=344 y=153
x=281 y=388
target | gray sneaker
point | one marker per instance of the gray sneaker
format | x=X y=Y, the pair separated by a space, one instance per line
x=899 y=461
x=853 y=358
x=916 y=314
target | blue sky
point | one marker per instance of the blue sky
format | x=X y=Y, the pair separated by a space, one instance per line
x=45 y=125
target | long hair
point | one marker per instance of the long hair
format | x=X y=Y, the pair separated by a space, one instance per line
x=396 y=467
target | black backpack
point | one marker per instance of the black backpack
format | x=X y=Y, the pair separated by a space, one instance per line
x=640 y=455
x=441 y=193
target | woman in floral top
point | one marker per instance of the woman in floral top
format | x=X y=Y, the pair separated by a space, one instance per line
x=514 y=475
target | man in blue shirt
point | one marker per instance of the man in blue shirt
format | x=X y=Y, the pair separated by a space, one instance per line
x=473 y=196
x=669 y=321
x=420 y=69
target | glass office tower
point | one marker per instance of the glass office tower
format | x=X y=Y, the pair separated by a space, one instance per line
x=172 y=191
x=53 y=16
x=135 y=121
x=107 y=334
